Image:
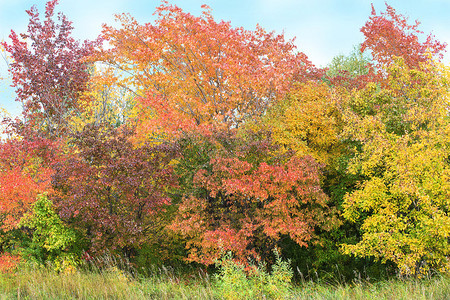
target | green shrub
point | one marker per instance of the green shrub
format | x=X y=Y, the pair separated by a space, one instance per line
x=50 y=240
x=236 y=281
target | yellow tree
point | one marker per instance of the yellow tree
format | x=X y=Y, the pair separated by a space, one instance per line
x=105 y=100
x=307 y=121
x=403 y=202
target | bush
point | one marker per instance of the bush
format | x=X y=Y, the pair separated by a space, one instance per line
x=51 y=241
x=237 y=281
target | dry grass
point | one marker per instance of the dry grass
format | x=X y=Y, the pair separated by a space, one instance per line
x=113 y=283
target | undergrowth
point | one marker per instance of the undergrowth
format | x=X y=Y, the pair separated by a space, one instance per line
x=118 y=280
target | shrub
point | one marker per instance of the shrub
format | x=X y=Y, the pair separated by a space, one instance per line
x=51 y=240
x=238 y=281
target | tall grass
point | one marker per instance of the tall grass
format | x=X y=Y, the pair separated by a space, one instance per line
x=112 y=283
x=408 y=289
x=164 y=283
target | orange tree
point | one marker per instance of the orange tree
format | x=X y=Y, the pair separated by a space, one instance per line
x=196 y=80
x=190 y=72
x=241 y=193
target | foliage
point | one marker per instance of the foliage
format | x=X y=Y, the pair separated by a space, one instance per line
x=403 y=200
x=307 y=121
x=194 y=71
x=24 y=173
x=389 y=35
x=52 y=241
x=249 y=195
x=355 y=64
x=352 y=71
x=401 y=126
x=237 y=281
x=48 y=73
x=112 y=191
x=184 y=137
x=8 y=262
x=104 y=100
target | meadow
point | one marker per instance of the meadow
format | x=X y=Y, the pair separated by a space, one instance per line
x=163 y=283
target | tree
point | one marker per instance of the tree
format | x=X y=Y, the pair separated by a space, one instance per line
x=389 y=35
x=48 y=72
x=191 y=72
x=352 y=71
x=50 y=240
x=402 y=200
x=104 y=100
x=112 y=191
x=356 y=64
x=307 y=121
x=25 y=172
x=245 y=195
x=400 y=131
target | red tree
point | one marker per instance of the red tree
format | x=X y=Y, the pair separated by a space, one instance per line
x=246 y=196
x=389 y=35
x=48 y=72
x=112 y=191
x=25 y=172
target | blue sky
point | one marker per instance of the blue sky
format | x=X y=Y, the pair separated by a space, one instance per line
x=323 y=28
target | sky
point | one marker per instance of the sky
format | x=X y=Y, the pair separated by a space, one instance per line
x=322 y=28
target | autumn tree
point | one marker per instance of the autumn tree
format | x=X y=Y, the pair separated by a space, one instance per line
x=105 y=100
x=112 y=191
x=191 y=72
x=244 y=195
x=48 y=72
x=389 y=35
x=394 y=100
x=310 y=122
x=402 y=200
x=307 y=121
x=25 y=172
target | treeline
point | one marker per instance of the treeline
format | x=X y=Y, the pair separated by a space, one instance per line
x=186 y=138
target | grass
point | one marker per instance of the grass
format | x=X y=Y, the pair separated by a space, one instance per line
x=112 y=283
x=434 y=288
x=42 y=283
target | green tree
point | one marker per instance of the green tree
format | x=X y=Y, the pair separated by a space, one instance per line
x=354 y=64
